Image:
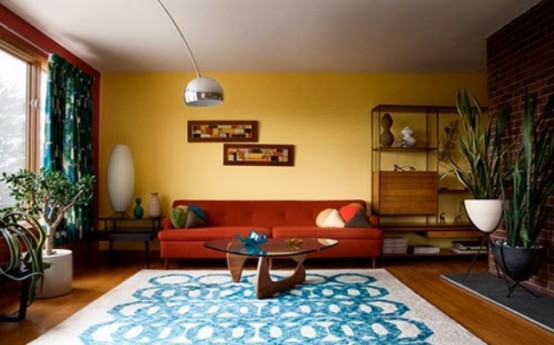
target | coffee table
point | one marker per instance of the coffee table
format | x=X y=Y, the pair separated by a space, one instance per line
x=296 y=249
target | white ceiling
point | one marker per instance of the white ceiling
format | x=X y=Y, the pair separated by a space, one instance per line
x=275 y=35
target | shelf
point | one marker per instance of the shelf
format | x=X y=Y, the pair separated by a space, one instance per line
x=399 y=149
x=426 y=227
x=444 y=252
x=415 y=202
x=414 y=108
x=453 y=191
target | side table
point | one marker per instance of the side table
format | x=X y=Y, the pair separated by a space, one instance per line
x=128 y=229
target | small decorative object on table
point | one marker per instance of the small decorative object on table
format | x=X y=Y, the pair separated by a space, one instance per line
x=253 y=239
x=294 y=243
x=154 y=209
x=138 y=211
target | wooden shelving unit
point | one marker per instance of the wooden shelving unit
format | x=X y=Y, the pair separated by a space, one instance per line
x=414 y=200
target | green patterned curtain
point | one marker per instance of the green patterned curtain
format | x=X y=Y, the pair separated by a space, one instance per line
x=68 y=137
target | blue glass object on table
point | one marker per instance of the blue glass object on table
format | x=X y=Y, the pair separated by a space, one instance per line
x=253 y=239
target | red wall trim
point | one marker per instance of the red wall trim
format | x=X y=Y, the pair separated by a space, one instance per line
x=44 y=42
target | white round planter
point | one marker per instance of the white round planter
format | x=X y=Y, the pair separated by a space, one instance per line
x=58 y=278
x=485 y=214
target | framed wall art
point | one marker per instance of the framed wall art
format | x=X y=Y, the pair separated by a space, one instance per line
x=251 y=154
x=222 y=131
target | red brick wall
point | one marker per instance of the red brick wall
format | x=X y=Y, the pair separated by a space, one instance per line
x=520 y=56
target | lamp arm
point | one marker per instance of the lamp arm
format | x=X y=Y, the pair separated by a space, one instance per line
x=183 y=38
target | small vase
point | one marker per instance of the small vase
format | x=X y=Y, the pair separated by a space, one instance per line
x=154 y=206
x=407 y=140
x=138 y=211
x=387 y=138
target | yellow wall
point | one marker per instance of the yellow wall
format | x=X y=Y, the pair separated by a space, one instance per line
x=326 y=116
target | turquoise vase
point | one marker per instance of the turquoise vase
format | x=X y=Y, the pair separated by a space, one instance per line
x=138 y=211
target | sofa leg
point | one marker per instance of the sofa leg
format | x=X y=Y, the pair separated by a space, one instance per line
x=373 y=262
x=166 y=263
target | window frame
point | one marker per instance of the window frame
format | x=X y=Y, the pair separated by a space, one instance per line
x=36 y=64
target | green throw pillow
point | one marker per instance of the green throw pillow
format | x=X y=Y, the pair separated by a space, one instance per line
x=178 y=217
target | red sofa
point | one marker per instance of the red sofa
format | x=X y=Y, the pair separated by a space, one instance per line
x=278 y=219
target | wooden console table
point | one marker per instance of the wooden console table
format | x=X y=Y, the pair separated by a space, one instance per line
x=128 y=229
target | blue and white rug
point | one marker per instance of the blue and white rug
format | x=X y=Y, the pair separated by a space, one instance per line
x=207 y=307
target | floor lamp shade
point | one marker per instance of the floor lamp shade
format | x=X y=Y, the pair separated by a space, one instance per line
x=121 y=178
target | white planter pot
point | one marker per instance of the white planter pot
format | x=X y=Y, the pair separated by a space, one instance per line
x=58 y=278
x=485 y=214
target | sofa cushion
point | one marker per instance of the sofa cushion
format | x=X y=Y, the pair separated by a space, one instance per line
x=359 y=220
x=329 y=218
x=267 y=212
x=210 y=233
x=316 y=232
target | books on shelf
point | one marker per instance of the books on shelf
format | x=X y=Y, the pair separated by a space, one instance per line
x=466 y=245
x=424 y=249
x=466 y=251
x=395 y=245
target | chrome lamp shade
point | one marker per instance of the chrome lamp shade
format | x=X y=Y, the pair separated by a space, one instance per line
x=202 y=92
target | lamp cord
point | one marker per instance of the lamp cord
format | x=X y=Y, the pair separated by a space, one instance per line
x=182 y=36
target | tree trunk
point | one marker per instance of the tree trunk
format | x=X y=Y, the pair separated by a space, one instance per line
x=49 y=244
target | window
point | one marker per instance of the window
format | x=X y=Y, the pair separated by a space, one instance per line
x=22 y=90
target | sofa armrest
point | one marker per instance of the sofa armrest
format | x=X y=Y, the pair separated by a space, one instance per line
x=374 y=221
x=166 y=224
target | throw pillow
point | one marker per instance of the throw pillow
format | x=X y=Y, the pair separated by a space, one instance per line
x=178 y=217
x=198 y=211
x=359 y=220
x=329 y=218
x=348 y=211
x=196 y=218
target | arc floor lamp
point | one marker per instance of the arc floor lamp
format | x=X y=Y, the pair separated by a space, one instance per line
x=201 y=91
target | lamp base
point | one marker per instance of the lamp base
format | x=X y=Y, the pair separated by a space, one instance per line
x=120 y=215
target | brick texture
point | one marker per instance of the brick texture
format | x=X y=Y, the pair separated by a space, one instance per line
x=520 y=57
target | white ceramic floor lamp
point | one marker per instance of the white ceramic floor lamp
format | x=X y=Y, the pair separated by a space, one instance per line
x=121 y=179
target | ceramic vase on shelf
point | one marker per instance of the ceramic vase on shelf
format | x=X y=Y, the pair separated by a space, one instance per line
x=154 y=209
x=407 y=140
x=138 y=211
x=387 y=138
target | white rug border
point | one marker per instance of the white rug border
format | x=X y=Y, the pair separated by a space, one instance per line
x=419 y=306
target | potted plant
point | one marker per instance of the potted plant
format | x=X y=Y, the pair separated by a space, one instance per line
x=47 y=196
x=525 y=191
x=21 y=246
x=483 y=155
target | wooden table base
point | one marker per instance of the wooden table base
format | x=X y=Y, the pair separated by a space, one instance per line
x=265 y=287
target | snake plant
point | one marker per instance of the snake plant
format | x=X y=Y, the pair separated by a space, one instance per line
x=24 y=241
x=530 y=172
x=482 y=178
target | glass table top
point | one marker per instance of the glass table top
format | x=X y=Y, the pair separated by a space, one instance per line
x=274 y=247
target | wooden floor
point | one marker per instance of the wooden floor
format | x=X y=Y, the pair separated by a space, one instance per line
x=492 y=324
